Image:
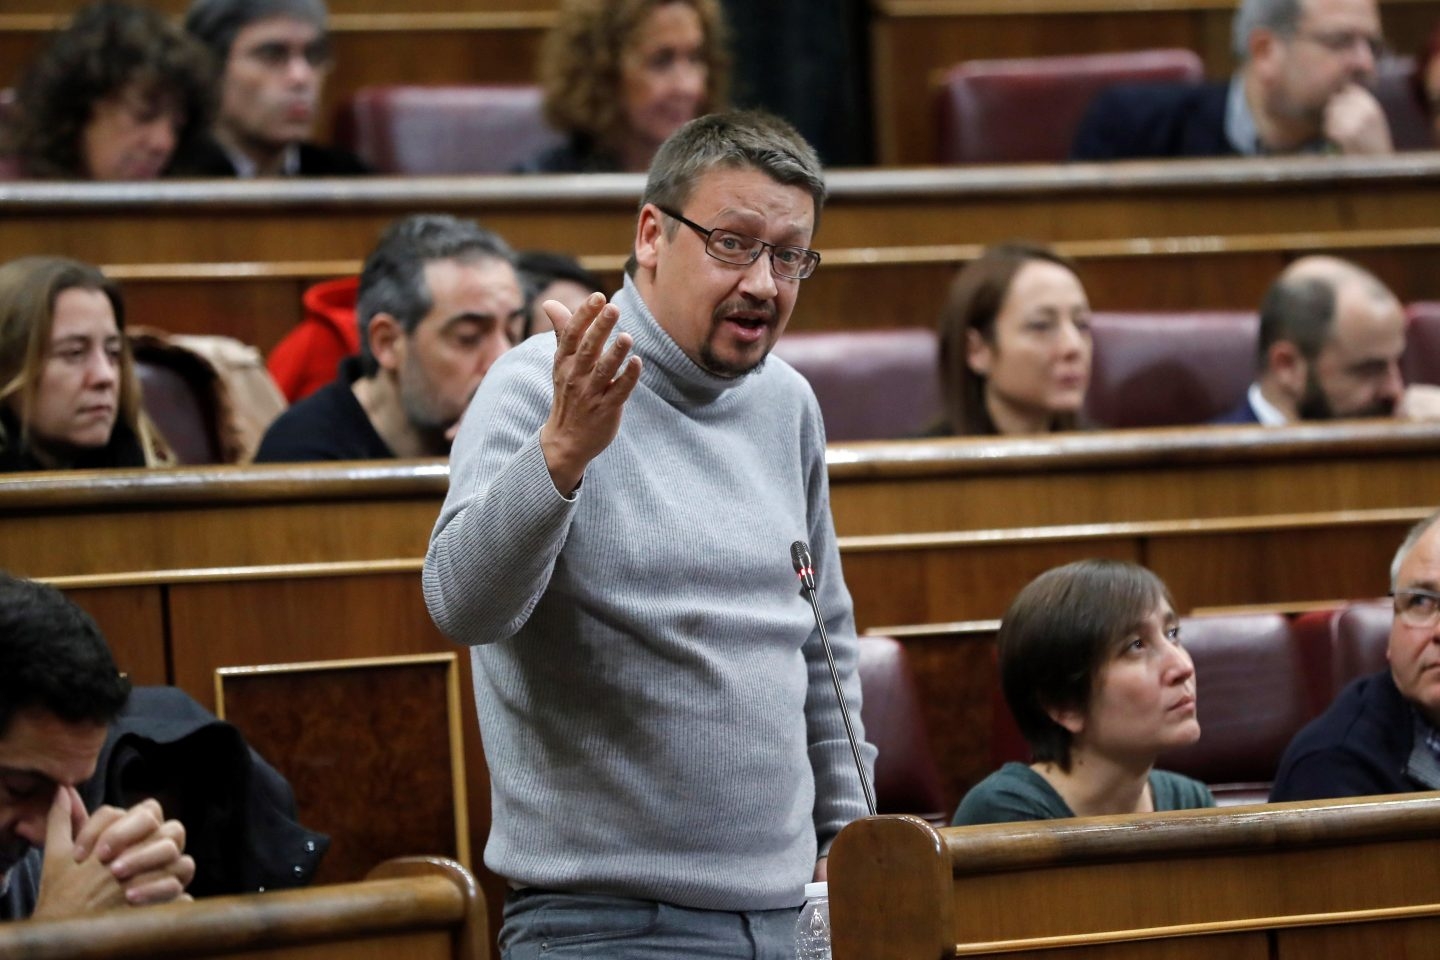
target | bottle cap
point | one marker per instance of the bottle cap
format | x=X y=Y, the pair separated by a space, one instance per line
x=818 y=889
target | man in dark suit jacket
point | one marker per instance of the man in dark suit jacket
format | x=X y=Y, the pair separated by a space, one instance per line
x=1302 y=87
x=1331 y=338
x=1379 y=735
x=273 y=56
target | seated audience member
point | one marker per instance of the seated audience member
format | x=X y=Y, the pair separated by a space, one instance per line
x=113 y=97
x=1014 y=344
x=1427 y=82
x=551 y=276
x=438 y=299
x=620 y=76
x=69 y=396
x=1379 y=736
x=273 y=56
x=1094 y=673
x=1331 y=337
x=1303 y=86
x=58 y=691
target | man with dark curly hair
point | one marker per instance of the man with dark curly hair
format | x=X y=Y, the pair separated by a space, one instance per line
x=274 y=56
x=113 y=97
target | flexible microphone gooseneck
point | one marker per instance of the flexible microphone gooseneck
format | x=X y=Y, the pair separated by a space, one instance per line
x=805 y=570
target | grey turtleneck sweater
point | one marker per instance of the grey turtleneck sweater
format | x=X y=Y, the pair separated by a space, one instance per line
x=655 y=705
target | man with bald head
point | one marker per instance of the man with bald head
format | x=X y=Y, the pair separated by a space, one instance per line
x=1303 y=85
x=1331 y=338
x=1380 y=735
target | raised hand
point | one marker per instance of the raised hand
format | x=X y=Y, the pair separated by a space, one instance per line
x=592 y=383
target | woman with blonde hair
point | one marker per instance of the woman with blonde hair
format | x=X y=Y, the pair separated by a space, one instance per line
x=620 y=76
x=69 y=396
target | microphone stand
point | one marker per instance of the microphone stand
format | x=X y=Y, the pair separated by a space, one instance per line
x=800 y=555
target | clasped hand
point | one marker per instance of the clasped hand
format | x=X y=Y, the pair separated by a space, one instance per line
x=110 y=858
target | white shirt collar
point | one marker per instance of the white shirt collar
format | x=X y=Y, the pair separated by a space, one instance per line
x=246 y=169
x=1265 y=411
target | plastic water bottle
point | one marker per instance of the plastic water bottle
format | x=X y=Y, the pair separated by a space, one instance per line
x=812 y=929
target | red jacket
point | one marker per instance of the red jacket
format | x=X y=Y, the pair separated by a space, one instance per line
x=310 y=355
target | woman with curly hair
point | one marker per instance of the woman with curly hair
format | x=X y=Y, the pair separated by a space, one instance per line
x=620 y=76
x=69 y=395
x=112 y=97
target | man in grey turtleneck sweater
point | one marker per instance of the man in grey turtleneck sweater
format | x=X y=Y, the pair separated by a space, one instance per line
x=668 y=761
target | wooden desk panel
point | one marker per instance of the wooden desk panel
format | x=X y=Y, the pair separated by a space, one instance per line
x=858 y=288
x=914 y=42
x=1209 y=202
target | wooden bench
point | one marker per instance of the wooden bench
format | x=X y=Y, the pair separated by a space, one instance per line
x=1321 y=879
x=416 y=908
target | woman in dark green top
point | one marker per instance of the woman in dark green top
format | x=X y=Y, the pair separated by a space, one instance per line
x=1094 y=673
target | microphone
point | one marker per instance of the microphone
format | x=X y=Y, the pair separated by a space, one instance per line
x=805 y=570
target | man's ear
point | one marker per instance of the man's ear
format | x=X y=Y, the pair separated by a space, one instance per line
x=1287 y=368
x=386 y=336
x=979 y=355
x=1263 y=50
x=648 y=236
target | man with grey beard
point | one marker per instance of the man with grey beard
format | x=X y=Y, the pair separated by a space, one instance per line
x=437 y=301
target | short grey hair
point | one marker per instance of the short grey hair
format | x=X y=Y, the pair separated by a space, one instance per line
x=734 y=140
x=393 y=279
x=215 y=23
x=1277 y=16
x=1408 y=544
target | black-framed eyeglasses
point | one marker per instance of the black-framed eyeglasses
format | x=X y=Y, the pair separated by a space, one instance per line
x=1417 y=608
x=792 y=263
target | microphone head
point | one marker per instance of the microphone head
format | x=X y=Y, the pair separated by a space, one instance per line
x=800 y=555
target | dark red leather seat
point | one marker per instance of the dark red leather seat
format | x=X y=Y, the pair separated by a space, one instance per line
x=177 y=402
x=906 y=780
x=438 y=130
x=1409 y=126
x=1253 y=697
x=871 y=384
x=1421 y=363
x=1027 y=110
x=1359 y=635
x=1157 y=369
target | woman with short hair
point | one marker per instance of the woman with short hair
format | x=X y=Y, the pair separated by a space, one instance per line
x=1094 y=673
x=69 y=396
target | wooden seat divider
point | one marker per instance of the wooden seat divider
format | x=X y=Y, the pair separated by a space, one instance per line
x=1266 y=882
x=416 y=908
x=357 y=737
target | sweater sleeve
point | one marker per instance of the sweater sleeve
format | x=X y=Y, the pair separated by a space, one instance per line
x=503 y=523
x=1334 y=771
x=839 y=798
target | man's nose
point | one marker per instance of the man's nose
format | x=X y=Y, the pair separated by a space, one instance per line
x=759 y=278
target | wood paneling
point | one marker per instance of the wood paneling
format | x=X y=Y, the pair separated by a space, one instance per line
x=1235 y=879
x=417 y=909
x=1197 y=204
x=258 y=303
x=133 y=621
x=913 y=43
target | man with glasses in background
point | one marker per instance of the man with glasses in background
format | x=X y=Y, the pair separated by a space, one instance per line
x=273 y=57
x=668 y=761
x=1306 y=69
x=1380 y=735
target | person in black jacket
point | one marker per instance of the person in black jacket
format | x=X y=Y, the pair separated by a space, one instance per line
x=59 y=689
x=1303 y=86
x=1379 y=736
x=274 y=56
